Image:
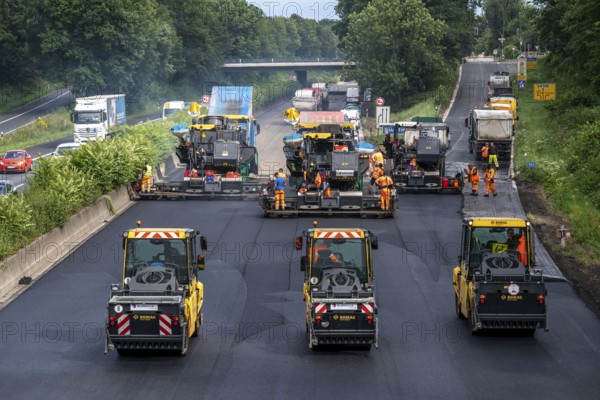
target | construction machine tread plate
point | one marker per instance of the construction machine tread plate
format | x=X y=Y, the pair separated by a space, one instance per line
x=198 y=194
x=330 y=212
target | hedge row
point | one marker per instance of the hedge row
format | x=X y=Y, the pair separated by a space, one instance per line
x=60 y=187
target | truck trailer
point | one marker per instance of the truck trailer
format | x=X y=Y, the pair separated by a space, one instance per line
x=95 y=117
x=490 y=126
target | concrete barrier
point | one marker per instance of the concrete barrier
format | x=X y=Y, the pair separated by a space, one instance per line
x=43 y=254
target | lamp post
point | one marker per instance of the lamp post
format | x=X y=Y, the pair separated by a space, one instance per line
x=501 y=39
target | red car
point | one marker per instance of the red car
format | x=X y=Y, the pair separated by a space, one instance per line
x=15 y=161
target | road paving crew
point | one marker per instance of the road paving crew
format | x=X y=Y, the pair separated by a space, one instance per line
x=490 y=173
x=279 y=191
x=473 y=178
x=146 y=178
x=384 y=183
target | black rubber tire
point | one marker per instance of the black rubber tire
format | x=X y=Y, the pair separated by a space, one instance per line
x=124 y=352
x=472 y=329
x=198 y=324
x=457 y=308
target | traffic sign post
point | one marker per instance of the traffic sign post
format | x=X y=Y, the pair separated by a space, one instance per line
x=544 y=91
x=522 y=84
x=379 y=101
x=383 y=115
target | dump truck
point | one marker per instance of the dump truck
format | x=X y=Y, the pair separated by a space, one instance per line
x=497 y=285
x=158 y=304
x=507 y=103
x=490 y=126
x=499 y=79
x=339 y=290
x=325 y=153
x=220 y=162
x=95 y=117
x=306 y=100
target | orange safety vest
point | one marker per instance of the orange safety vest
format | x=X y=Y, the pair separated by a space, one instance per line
x=474 y=174
x=384 y=181
x=489 y=175
x=318 y=180
x=376 y=173
x=522 y=250
x=378 y=158
x=484 y=151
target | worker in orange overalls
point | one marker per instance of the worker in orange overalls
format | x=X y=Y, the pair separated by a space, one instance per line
x=484 y=153
x=384 y=183
x=377 y=158
x=473 y=177
x=146 y=178
x=376 y=173
x=490 y=173
x=522 y=250
x=318 y=180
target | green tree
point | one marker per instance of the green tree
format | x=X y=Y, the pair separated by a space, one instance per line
x=101 y=45
x=408 y=57
x=18 y=20
x=345 y=9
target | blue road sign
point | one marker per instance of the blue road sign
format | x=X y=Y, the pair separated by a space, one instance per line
x=531 y=165
x=522 y=84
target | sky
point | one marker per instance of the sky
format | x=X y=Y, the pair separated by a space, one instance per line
x=310 y=9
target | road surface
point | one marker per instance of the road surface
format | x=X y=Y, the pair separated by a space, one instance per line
x=253 y=344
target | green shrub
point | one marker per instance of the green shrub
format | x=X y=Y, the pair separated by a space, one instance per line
x=60 y=187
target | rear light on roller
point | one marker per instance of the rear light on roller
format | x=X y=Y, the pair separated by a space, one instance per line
x=318 y=320
x=482 y=299
x=541 y=299
x=370 y=319
x=112 y=320
x=176 y=321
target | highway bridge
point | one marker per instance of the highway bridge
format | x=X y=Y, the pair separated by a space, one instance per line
x=299 y=66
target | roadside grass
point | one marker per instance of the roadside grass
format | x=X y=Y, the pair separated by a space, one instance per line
x=565 y=163
x=425 y=108
x=50 y=127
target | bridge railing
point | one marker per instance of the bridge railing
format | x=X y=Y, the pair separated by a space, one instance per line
x=282 y=60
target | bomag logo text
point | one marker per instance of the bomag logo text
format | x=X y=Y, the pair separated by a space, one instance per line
x=147 y=317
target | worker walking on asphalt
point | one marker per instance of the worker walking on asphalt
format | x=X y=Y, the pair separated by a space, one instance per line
x=484 y=153
x=146 y=178
x=490 y=173
x=384 y=183
x=279 y=192
x=493 y=155
x=473 y=178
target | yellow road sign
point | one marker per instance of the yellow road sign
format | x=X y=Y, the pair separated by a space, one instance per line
x=522 y=77
x=544 y=91
x=531 y=65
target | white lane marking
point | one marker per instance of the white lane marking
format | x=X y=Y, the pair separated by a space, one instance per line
x=28 y=111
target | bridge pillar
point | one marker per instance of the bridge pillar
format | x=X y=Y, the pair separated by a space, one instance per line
x=302 y=77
